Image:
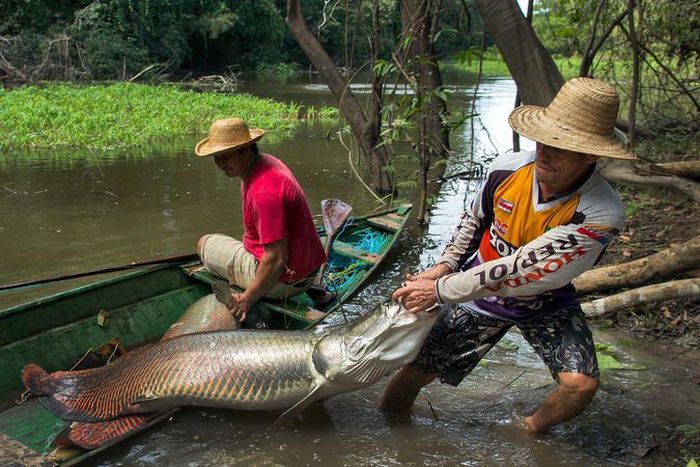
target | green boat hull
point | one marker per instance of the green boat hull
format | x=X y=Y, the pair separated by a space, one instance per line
x=57 y=331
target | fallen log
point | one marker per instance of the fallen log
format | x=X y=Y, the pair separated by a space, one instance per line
x=661 y=265
x=687 y=169
x=603 y=307
x=639 y=174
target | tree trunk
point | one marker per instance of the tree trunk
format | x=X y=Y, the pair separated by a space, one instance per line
x=378 y=156
x=687 y=288
x=687 y=169
x=660 y=265
x=351 y=110
x=531 y=66
x=418 y=23
x=642 y=175
x=634 y=92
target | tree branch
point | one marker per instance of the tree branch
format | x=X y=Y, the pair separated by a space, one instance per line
x=658 y=266
x=687 y=288
x=586 y=58
x=583 y=71
x=627 y=173
x=668 y=71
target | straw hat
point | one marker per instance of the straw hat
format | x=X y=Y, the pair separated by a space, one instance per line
x=581 y=118
x=225 y=135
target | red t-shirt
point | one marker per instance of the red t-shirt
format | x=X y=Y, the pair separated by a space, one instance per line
x=274 y=207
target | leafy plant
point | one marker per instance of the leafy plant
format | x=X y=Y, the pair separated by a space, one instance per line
x=118 y=115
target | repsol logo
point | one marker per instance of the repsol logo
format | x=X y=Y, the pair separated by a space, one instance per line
x=502 y=247
x=550 y=258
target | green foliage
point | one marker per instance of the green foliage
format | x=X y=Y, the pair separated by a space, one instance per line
x=276 y=71
x=256 y=37
x=631 y=208
x=563 y=26
x=493 y=65
x=125 y=114
x=508 y=345
x=607 y=358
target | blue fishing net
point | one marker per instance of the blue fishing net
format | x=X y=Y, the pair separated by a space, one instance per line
x=370 y=240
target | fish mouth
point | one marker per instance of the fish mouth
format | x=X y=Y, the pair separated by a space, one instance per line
x=397 y=331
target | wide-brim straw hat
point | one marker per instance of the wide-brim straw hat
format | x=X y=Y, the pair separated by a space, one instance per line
x=225 y=135
x=581 y=118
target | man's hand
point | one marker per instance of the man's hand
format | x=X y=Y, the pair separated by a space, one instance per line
x=239 y=306
x=433 y=273
x=417 y=295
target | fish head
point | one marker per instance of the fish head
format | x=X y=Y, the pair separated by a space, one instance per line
x=375 y=345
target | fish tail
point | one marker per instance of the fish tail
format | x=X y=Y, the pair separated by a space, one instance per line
x=94 y=435
x=67 y=394
x=37 y=380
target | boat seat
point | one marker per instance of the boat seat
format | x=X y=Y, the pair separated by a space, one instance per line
x=345 y=249
x=390 y=222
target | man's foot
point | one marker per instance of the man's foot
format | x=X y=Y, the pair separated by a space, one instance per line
x=523 y=424
x=515 y=428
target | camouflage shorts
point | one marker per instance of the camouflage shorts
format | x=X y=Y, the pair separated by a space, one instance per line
x=460 y=338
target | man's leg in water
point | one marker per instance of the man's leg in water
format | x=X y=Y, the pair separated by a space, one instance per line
x=565 y=344
x=403 y=388
x=455 y=345
x=573 y=393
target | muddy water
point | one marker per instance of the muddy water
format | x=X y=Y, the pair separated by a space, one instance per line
x=65 y=213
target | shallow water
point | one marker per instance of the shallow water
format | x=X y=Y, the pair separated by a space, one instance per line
x=68 y=212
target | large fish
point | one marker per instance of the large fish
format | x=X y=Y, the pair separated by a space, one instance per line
x=241 y=370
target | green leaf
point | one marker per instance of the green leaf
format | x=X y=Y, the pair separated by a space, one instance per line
x=608 y=362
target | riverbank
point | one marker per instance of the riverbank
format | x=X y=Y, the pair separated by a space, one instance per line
x=669 y=329
x=655 y=222
x=107 y=116
x=493 y=65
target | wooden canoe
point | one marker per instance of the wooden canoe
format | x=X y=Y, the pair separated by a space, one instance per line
x=57 y=331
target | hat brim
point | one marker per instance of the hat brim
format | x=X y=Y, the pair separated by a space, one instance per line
x=533 y=123
x=204 y=148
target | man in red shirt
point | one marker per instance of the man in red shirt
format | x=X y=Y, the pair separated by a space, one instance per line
x=281 y=250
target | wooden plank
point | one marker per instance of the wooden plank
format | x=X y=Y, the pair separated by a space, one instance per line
x=64 y=308
x=347 y=250
x=386 y=223
x=59 y=347
x=14 y=453
x=31 y=425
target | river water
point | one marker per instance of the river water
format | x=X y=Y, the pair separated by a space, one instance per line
x=66 y=211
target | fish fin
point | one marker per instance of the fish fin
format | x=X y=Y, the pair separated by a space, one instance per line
x=93 y=435
x=145 y=398
x=297 y=408
x=222 y=291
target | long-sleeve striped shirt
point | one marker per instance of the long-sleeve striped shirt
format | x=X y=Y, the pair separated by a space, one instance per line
x=513 y=255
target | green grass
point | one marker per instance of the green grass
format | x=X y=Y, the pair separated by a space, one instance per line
x=124 y=114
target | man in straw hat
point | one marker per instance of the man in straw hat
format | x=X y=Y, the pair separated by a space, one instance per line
x=539 y=220
x=281 y=250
